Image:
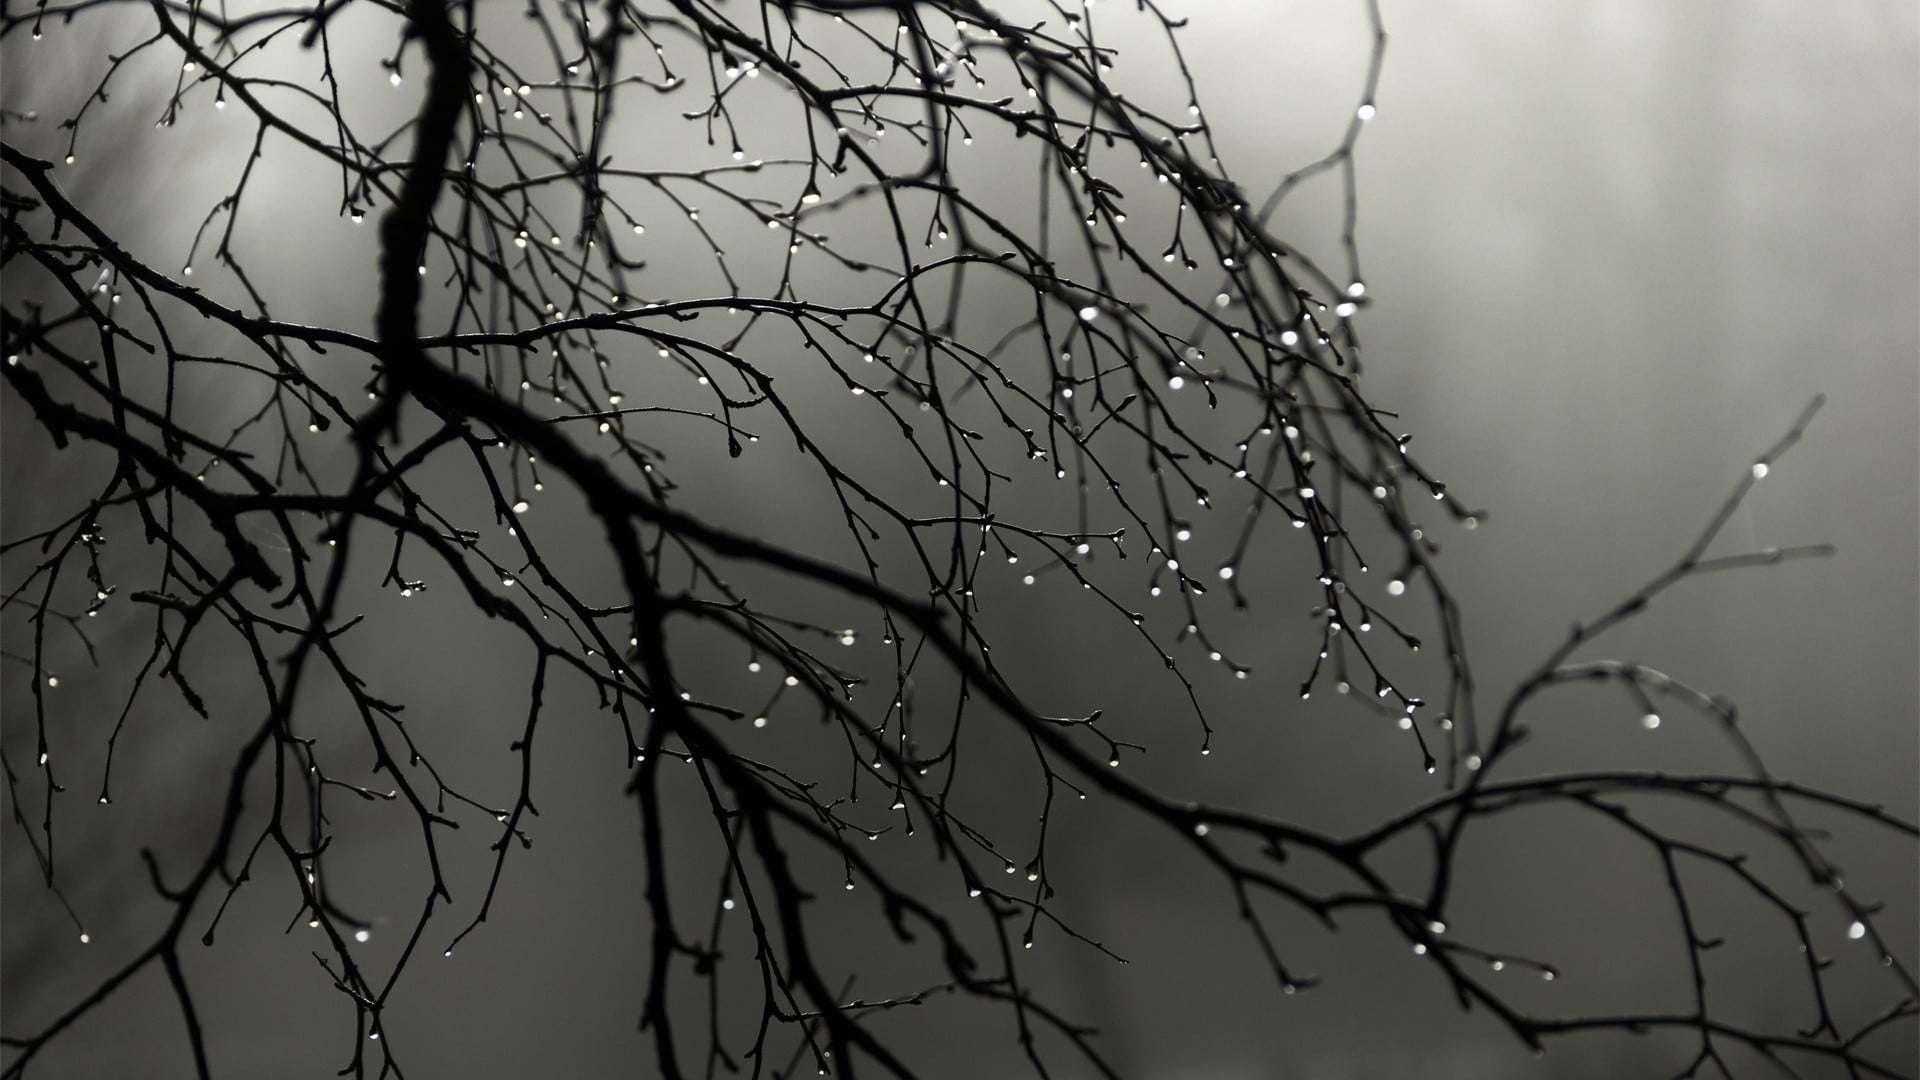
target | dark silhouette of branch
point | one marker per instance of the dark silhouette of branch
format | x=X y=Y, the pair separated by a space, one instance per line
x=1121 y=382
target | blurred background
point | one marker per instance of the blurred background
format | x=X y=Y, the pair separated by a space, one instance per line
x=1612 y=251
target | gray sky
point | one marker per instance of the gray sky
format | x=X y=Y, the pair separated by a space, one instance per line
x=1613 y=250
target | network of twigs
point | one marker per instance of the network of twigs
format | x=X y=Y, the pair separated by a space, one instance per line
x=1168 y=358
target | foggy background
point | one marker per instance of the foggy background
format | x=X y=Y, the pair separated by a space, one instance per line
x=1612 y=253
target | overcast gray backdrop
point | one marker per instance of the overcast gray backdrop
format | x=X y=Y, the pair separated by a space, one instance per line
x=1613 y=249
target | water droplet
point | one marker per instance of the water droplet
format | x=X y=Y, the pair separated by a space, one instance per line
x=1857 y=931
x=1760 y=470
x=394 y=79
x=362 y=936
x=521 y=507
x=1650 y=721
x=727 y=904
x=53 y=680
x=86 y=939
x=1365 y=112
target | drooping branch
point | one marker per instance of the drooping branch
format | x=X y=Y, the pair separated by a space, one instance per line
x=1123 y=387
